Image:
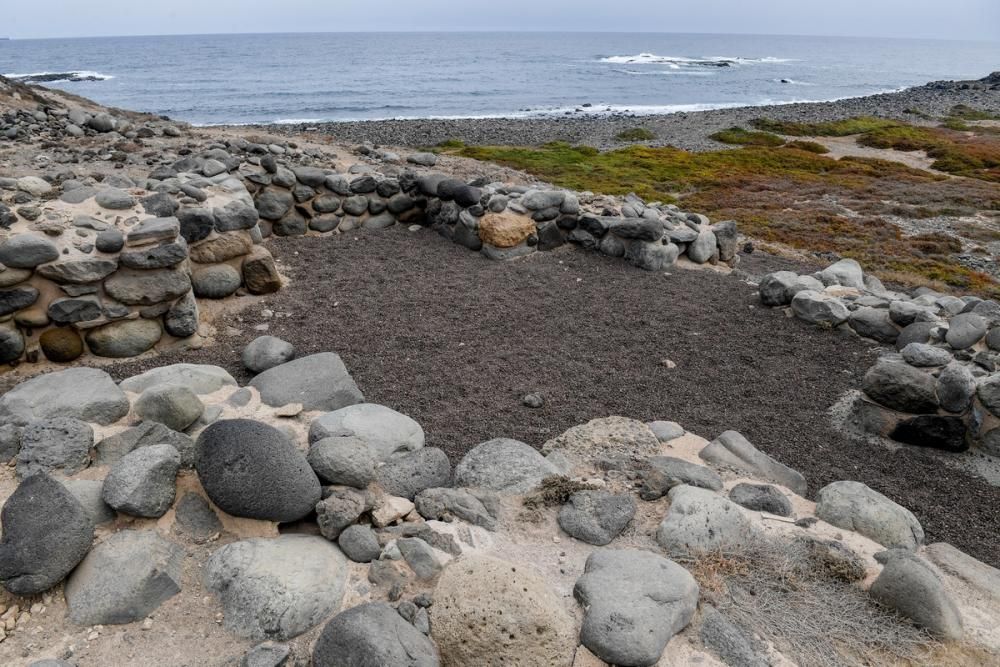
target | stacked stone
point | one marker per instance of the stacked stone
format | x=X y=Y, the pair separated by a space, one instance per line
x=50 y=122
x=941 y=386
x=418 y=530
x=116 y=266
x=500 y=221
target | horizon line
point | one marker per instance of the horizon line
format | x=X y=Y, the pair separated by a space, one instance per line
x=488 y=31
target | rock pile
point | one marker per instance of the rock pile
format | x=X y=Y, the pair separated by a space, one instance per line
x=386 y=554
x=940 y=387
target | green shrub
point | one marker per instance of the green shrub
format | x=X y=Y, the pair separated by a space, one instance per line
x=636 y=134
x=740 y=137
x=810 y=146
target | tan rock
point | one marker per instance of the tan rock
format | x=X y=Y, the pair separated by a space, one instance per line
x=489 y=612
x=260 y=274
x=505 y=230
x=391 y=509
x=224 y=247
x=601 y=438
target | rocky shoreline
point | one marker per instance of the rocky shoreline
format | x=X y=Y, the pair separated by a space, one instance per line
x=687 y=130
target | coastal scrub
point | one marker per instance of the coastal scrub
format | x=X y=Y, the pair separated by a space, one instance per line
x=740 y=137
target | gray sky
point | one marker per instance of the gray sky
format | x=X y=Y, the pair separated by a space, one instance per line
x=944 y=19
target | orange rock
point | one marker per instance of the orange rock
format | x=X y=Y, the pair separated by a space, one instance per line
x=505 y=230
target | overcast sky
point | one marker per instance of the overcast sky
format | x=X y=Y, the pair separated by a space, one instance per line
x=944 y=19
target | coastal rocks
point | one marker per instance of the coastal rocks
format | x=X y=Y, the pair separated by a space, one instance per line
x=384 y=430
x=666 y=472
x=87 y=394
x=475 y=506
x=910 y=586
x=505 y=230
x=965 y=330
x=734 y=451
x=761 y=498
x=26 y=251
x=250 y=469
x=340 y=508
x=276 y=588
x=874 y=323
x=125 y=338
x=124 y=579
x=635 y=602
x=359 y=543
x=901 y=387
x=846 y=272
x=406 y=474
x=112 y=448
x=596 y=517
x=59 y=444
x=370 y=634
x=699 y=521
x=174 y=406
x=819 y=308
x=197 y=519
x=317 y=382
x=260 y=274
x=923 y=355
x=137 y=287
x=46 y=532
x=266 y=352
x=490 y=612
x=343 y=460
x=61 y=345
x=854 y=506
x=142 y=483
x=199 y=378
x=609 y=437
x=114 y=199
x=503 y=465
x=216 y=281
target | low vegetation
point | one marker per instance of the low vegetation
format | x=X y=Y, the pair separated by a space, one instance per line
x=953 y=152
x=636 y=134
x=810 y=146
x=785 y=195
x=836 y=128
x=740 y=137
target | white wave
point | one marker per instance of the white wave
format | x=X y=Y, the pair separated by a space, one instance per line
x=298 y=121
x=76 y=75
x=682 y=61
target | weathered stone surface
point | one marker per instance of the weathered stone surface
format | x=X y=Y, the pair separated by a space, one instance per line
x=503 y=465
x=61 y=345
x=609 y=437
x=761 y=498
x=112 y=448
x=899 y=386
x=276 y=588
x=88 y=493
x=174 y=406
x=923 y=355
x=666 y=472
x=846 y=272
x=266 y=352
x=956 y=385
x=233 y=216
x=978 y=575
x=910 y=586
x=26 y=251
x=384 y=430
x=406 y=474
x=114 y=199
x=989 y=393
x=492 y=613
x=733 y=450
x=343 y=460
x=666 y=431
x=819 y=308
x=222 y=248
x=87 y=394
x=703 y=247
x=46 y=532
x=874 y=323
x=143 y=482
x=78 y=271
x=854 y=506
x=700 y=521
x=124 y=579
x=359 y=543
x=250 y=469
x=196 y=518
x=505 y=230
x=136 y=287
x=596 y=517
x=318 y=382
x=199 y=378
x=260 y=274
x=215 y=281
x=56 y=444
x=153 y=230
x=729 y=641
x=341 y=507
x=476 y=506
x=70 y=310
x=373 y=634
x=419 y=556
x=965 y=330
x=634 y=602
x=181 y=320
x=196 y=223
x=124 y=338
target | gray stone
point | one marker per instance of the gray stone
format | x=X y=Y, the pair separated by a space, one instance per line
x=979 y=576
x=59 y=444
x=345 y=460
x=114 y=199
x=136 y=287
x=110 y=241
x=819 y=308
x=153 y=230
x=666 y=472
x=854 y=506
x=124 y=338
x=87 y=394
x=700 y=521
x=250 y=469
x=72 y=310
x=199 y=378
x=161 y=256
x=761 y=498
x=216 y=281
x=405 y=474
x=918 y=332
x=266 y=654
x=318 y=382
x=846 y=272
x=78 y=271
x=503 y=465
x=234 y=216
x=538 y=200
x=478 y=507
x=651 y=256
x=13 y=300
x=910 y=586
x=88 y=493
x=874 y=323
x=143 y=482
x=899 y=386
x=340 y=508
x=703 y=247
x=956 y=386
x=276 y=588
x=197 y=518
x=196 y=223
x=666 y=431
x=380 y=221
x=181 y=320
x=726 y=235
x=359 y=543
x=596 y=517
x=10 y=442
x=373 y=634
x=729 y=641
x=734 y=451
x=46 y=532
x=420 y=557
x=965 y=330
x=266 y=352
x=26 y=251
x=422 y=159
x=124 y=579
x=34 y=185
x=160 y=205
x=385 y=430
x=635 y=228
x=634 y=603
x=923 y=355
x=174 y=406
x=989 y=393
x=905 y=313
x=274 y=203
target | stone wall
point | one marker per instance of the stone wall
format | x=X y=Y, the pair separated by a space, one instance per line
x=939 y=387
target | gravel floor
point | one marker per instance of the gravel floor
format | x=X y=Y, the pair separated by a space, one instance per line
x=455 y=340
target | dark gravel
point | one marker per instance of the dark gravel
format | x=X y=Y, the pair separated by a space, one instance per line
x=455 y=341
x=688 y=130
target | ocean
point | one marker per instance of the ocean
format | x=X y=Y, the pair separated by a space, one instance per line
x=296 y=78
